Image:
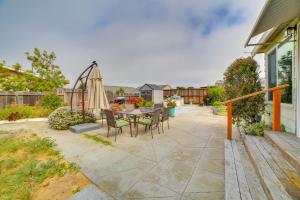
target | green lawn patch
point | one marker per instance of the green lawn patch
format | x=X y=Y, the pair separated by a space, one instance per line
x=97 y=139
x=26 y=162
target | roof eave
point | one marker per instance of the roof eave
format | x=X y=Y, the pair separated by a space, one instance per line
x=262 y=12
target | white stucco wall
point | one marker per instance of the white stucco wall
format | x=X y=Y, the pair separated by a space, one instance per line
x=157 y=96
x=288 y=116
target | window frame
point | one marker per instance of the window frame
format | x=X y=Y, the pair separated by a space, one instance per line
x=276 y=47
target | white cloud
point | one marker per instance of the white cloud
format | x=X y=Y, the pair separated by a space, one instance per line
x=133 y=41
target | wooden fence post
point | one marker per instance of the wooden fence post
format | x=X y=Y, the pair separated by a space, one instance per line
x=276 y=110
x=229 y=120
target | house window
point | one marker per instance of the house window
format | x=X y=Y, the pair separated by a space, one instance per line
x=280 y=67
x=285 y=68
x=272 y=72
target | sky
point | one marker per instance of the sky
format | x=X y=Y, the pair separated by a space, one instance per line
x=176 y=42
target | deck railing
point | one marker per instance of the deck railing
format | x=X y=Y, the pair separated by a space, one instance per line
x=276 y=107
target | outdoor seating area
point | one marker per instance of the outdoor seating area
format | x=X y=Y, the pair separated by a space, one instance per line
x=150 y=118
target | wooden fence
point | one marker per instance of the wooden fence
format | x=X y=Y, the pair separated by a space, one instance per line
x=195 y=96
x=30 y=98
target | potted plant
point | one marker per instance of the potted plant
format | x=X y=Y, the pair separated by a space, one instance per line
x=171 y=104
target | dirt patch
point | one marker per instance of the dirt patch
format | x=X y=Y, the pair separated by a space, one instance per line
x=61 y=187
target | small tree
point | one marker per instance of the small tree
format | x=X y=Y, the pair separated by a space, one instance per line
x=241 y=78
x=120 y=91
x=43 y=67
x=215 y=93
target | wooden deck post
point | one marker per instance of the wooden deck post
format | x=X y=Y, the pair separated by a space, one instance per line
x=229 y=120
x=276 y=110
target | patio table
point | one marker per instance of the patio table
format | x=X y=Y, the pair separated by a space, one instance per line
x=136 y=113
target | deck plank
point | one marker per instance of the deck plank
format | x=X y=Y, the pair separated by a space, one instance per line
x=243 y=184
x=232 y=191
x=270 y=157
x=256 y=189
x=270 y=182
x=288 y=145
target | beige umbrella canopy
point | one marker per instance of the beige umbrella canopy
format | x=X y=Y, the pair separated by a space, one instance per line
x=97 y=99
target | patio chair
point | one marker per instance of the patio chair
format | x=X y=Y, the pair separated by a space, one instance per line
x=118 y=124
x=150 y=122
x=165 y=118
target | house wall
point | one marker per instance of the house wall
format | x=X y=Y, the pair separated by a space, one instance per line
x=157 y=96
x=288 y=111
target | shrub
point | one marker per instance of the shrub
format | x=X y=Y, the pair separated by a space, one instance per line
x=217 y=104
x=256 y=129
x=24 y=112
x=149 y=104
x=242 y=78
x=51 y=101
x=62 y=118
x=215 y=93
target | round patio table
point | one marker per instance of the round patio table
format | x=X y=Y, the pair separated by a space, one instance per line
x=136 y=113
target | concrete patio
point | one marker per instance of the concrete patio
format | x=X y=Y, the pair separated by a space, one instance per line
x=186 y=162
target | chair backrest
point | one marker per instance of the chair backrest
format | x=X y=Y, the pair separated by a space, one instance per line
x=155 y=116
x=165 y=113
x=110 y=118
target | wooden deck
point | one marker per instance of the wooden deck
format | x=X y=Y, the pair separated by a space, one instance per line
x=263 y=167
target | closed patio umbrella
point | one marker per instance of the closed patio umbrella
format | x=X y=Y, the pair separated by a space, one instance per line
x=97 y=99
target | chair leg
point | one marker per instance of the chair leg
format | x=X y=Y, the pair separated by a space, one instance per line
x=116 y=133
x=137 y=130
x=146 y=128
x=108 y=131
x=130 y=130
x=162 y=127
x=151 y=131
x=168 y=124
x=158 y=128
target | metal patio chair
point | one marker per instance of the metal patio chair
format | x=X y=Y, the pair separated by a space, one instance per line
x=118 y=124
x=165 y=118
x=153 y=120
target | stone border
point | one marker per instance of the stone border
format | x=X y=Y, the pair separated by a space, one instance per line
x=24 y=120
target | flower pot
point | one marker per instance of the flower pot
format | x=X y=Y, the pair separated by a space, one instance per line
x=172 y=112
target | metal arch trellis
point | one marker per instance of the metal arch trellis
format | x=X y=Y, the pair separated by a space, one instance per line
x=83 y=79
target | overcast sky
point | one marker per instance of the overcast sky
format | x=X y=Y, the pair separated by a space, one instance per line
x=177 y=42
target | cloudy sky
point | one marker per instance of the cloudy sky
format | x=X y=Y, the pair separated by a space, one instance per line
x=182 y=43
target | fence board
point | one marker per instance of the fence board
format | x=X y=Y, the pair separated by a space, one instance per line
x=196 y=95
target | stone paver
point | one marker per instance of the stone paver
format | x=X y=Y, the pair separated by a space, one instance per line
x=186 y=162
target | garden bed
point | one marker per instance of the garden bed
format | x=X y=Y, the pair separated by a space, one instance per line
x=30 y=168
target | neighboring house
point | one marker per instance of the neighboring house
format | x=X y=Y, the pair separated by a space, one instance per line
x=166 y=87
x=279 y=21
x=6 y=71
x=153 y=92
x=129 y=92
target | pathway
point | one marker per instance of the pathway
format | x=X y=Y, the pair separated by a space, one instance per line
x=186 y=162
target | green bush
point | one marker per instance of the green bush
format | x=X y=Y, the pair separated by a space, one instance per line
x=215 y=93
x=62 y=118
x=242 y=78
x=217 y=104
x=149 y=104
x=25 y=112
x=256 y=129
x=51 y=101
